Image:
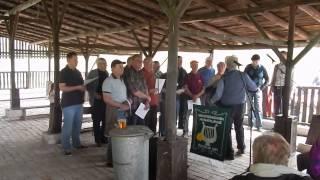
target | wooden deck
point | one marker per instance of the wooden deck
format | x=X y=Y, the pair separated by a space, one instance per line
x=23 y=155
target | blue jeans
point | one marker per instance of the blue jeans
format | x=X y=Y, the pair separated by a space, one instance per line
x=255 y=99
x=72 y=116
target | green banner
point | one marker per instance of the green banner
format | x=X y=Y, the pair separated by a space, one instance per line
x=210 y=131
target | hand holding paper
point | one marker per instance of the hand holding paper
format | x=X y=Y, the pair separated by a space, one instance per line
x=142 y=111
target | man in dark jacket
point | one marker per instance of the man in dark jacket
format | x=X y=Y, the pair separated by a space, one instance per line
x=98 y=107
x=259 y=75
x=270 y=160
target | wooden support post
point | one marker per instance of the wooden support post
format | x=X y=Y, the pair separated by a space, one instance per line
x=159 y=45
x=311 y=44
x=86 y=54
x=55 y=20
x=172 y=153
x=49 y=59
x=29 y=73
x=150 y=39
x=289 y=62
x=11 y=25
x=139 y=43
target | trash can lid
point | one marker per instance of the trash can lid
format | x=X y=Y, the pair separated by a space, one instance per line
x=131 y=131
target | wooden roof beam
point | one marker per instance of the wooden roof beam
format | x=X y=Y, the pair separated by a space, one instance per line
x=21 y=7
x=232 y=38
x=313 y=12
x=240 y=20
x=204 y=17
x=280 y=22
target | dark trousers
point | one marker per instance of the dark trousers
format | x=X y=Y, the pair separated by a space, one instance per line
x=277 y=100
x=151 y=118
x=98 y=115
x=134 y=119
x=183 y=113
x=237 y=114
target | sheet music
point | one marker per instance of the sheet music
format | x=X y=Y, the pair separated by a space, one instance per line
x=159 y=84
x=88 y=81
x=191 y=103
x=141 y=111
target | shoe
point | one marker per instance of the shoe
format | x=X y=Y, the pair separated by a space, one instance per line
x=185 y=135
x=98 y=144
x=67 y=153
x=258 y=129
x=239 y=152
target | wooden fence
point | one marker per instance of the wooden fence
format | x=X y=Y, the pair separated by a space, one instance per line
x=304 y=102
x=27 y=80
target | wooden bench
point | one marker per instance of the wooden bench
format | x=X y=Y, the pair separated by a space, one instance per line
x=24 y=110
x=86 y=110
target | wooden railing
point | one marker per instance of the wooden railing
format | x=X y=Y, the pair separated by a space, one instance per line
x=305 y=102
x=26 y=80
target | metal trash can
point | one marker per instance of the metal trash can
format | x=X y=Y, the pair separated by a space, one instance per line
x=130 y=152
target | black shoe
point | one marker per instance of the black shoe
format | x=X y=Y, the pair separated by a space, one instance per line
x=81 y=147
x=67 y=153
x=240 y=152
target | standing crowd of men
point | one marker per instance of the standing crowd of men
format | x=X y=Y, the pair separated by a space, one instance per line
x=118 y=95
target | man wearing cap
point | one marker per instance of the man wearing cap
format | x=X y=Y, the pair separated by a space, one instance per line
x=194 y=88
x=259 y=75
x=115 y=96
x=137 y=89
x=71 y=85
x=98 y=107
x=230 y=93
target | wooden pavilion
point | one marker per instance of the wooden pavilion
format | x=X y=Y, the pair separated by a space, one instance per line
x=147 y=26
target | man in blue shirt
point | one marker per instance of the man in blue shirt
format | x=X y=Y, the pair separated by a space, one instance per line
x=206 y=73
x=259 y=75
x=230 y=93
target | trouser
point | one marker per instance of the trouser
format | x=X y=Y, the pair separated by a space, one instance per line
x=277 y=100
x=236 y=117
x=184 y=113
x=98 y=118
x=255 y=99
x=72 y=117
x=151 y=118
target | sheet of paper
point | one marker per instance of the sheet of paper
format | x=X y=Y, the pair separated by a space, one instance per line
x=179 y=91
x=159 y=84
x=88 y=81
x=191 y=103
x=141 y=111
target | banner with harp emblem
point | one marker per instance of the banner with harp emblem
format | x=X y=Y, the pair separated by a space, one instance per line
x=210 y=131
